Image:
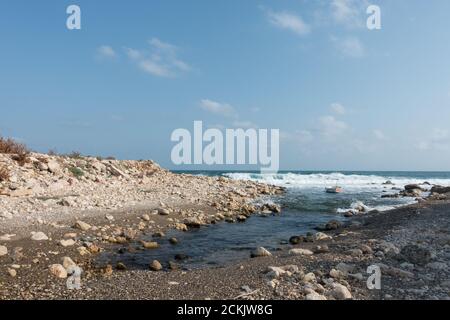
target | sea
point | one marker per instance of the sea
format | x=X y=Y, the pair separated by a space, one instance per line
x=305 y=205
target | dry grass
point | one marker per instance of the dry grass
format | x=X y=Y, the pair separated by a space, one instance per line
x=18 y=150
x=4 y=174
x=73 y=155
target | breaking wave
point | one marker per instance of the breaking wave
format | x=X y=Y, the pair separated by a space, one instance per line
x=350 y=182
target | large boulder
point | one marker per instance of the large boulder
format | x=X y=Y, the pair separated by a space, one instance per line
x=53 y=166
x=413 y=186
x=440 y=189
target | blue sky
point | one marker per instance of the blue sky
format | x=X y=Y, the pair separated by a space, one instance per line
x=343 y=97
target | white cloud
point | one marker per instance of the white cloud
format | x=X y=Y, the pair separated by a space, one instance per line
x=215 y=107
x=349 y=12
x=379 y=134
x=288 y=21
x=350 y=46
x=154 y=68
x=133 y=54
x=106 y=52
x=338 y=108
x=160 y=60
x=330 y=127
x=164 y=46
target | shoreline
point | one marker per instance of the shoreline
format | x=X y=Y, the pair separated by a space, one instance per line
x=333 y=266
x=370 y=234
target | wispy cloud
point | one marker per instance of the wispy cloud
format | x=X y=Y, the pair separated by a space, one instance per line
x=379 y=135
x=349 y=46
x=160 y=60
x=330 y=127
x=338 y=108
x=133 y=54
x=105 y=51
x=154 y=68
x=288 y=21
x=349 y=12
x=222 y=109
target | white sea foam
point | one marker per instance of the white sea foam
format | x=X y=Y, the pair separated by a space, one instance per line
x=354 y=206
x=350 y=182
x=357 y=187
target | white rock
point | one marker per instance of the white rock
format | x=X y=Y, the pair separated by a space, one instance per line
x=38 y=236
x=275 y=272
x=299 y=251
x=58 y=271
x=273 y=283
x=68 y=262
x=341 y=292
x=163 y=211
x=3 y=251
x=315 y=296
x=337 y=274
x=321 y=236
x=7 y=237
x=82 y=225
x=12 y=272
x=67 y=243
x=309 y=277
x=53 y=166
x=260 y=252
x=83 y=251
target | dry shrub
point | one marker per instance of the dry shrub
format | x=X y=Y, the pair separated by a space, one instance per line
x=21 y=158
x=146 y=167
x=4 y=174
x=18 y=150
x=73 y=155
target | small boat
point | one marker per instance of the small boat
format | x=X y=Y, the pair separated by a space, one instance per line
x=335 y=189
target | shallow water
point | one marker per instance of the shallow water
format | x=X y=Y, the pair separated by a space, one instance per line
x=223 y=243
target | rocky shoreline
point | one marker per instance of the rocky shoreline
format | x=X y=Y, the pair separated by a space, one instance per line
x=55 y=220
x=57 y=209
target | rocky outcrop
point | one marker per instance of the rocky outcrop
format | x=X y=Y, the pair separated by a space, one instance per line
x=440 y=189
